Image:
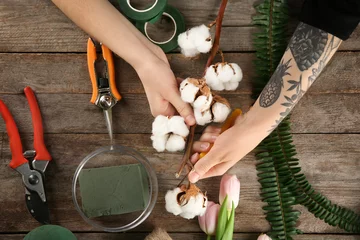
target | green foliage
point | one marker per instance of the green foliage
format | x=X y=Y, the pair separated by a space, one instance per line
x=282 y=183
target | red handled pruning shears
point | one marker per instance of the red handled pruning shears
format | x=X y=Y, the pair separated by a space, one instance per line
x=30 y=164
x=105 y=94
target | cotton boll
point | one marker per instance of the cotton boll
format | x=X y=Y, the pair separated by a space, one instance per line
x=188 y=91
x=160 y=125
x=187 y=46
x=202 y=118
x=178 y=126
x=211 y=76
x=171 y=203
x=205 y=46
x=191 y=52
x=175 y=143
x=225 y=72
x=220 y=112
x=219 y=86
x=237 y=77
x=203 y=102
x=196 y=206
x=159 y=142
x=201 y=38
x=230 y=86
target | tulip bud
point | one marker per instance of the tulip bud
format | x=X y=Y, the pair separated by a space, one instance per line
x=264 y=237
x=229 y=185
x=208 y=221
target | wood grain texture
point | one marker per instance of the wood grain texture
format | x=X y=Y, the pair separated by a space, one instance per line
x=38 y=26
x=319 y=154
x=73 y=113
x=184 y=236
x=68 y=73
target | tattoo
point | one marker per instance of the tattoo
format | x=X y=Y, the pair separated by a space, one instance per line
x=272 y=90
x=334 y=44
x=290 y=101
x=307 y=45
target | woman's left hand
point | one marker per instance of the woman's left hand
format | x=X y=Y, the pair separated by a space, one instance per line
x=229 y=148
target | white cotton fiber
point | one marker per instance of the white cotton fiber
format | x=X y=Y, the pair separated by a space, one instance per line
x=171 y=203
x=188 y=91
x=203 y=103
x=160 y=125
x=178 y=126
x=225 y=72
x=175 y=143
x=202 y=118
x=231 y=86
x=237 y=77
x=220 y=112
x=159 y=142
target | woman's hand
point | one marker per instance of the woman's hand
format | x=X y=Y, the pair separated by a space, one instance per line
x=162 y=89
x=229 y=148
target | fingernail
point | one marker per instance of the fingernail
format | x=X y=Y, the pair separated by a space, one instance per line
x=193 y=176
x=204 y=146
x=190 y=120
x=214 y=137
x=218 y=130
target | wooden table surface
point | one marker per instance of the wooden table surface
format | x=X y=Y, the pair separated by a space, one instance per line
x=41 y=48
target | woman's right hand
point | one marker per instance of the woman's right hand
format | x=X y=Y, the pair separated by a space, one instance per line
x=162 y=89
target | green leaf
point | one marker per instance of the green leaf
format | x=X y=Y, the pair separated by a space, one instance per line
x=222 y=220
x=228 y=234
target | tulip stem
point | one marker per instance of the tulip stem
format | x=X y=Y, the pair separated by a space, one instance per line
x=208 y=237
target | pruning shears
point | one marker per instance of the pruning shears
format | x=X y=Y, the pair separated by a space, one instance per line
x=104 y=92
x=30 y=164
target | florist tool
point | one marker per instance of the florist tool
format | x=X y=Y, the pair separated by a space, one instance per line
x=105 y=94
x=32 y=163
x=114 y=188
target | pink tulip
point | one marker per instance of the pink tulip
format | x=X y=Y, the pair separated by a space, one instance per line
x=264 y=237
x=208 y=221
x=230 y=186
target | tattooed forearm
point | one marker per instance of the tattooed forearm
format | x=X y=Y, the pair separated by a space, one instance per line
x=307 y=45
x=272 y=90
x=308 y=52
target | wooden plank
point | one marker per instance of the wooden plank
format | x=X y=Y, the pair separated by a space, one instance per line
x=67 y=73
x=185 y=236
x=320 y=154
x=38 y=26
x=70 y=113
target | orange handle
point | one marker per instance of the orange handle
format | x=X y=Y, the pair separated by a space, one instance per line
x=230 y=121
x=39 y=144
x=91 y=58
x=107 y=55
x=14 y=138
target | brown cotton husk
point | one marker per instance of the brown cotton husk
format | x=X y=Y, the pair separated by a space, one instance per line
x=158 y=234
x=217 y=98
x=187 y=191
x=205 y=90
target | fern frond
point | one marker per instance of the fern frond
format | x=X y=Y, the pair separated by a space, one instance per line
x=283 y=184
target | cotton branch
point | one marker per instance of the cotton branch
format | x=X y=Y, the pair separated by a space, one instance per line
x=213 y=52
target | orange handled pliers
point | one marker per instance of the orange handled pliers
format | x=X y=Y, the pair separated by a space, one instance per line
x=30 y=164
x=105 y=94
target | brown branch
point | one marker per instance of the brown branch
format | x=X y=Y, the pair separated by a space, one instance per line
x=215 y=47
x=189 y=144
x=212 y=24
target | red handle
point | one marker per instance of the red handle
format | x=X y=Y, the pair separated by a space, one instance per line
x=14 y=138
x=39 y=144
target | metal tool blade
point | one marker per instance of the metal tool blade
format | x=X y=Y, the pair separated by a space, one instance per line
x=108 y=121
x=37 y=208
